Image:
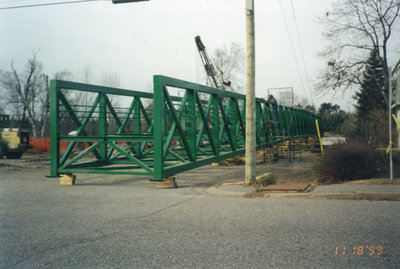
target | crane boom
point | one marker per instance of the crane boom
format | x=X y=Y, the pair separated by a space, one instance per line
x=210 y=70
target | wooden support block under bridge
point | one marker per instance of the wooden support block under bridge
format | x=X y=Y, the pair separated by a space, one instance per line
x=67 y=179
x=168 y=183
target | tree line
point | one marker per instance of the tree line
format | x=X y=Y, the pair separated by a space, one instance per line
x=26 y=95
x=361 y=34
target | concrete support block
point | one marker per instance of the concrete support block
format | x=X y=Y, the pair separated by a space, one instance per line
x=67 y=179
x=168 y=183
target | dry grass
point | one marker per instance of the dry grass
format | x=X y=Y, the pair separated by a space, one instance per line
x=374 y=181
x=305 y=171
x=302 y=171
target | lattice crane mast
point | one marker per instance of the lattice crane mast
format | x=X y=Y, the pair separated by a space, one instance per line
x=210 y=70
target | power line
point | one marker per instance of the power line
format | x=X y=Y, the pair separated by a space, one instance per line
x=49 y=4
x=293 y=50
x=10 y=1
x=302 y=52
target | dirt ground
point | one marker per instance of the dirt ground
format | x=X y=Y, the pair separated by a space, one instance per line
x=301 y=170
x=30 y=160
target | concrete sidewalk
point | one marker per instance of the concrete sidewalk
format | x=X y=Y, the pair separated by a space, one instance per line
x=389 y=192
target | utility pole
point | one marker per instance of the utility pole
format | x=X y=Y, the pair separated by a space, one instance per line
x=397 y=106
x=250 y=167
x=390 y=126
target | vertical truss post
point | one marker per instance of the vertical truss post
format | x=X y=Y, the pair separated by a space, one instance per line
x=306 y=124
x=281 y=121
x=184 y=113
x=268 y=127
x=294 y=122
x=159 y=125
x=103 y=126
x=301 y=122
x=289 y=121
x=137 y=119
x=274 y=126
x=233 y=119
x=215 y=122
x=285 y=121
x=54 y=131
x=310 y=127
x=259 y=135
x=191 y=124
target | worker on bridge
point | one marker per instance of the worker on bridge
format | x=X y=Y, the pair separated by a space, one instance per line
x=271 y=101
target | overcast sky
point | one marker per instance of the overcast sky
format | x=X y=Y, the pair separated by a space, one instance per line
x=138 y=40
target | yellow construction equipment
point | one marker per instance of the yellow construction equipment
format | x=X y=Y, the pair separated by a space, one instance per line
x=13 y=141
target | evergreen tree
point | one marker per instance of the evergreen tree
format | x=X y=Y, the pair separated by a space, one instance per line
x=372 y=97
x=332 y=117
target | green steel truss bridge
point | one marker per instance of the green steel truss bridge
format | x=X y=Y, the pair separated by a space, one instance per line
x=178 y=127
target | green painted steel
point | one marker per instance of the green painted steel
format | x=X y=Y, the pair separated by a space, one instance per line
x=171 y=135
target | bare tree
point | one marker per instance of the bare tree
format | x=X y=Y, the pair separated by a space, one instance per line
x=230 y=63
x=28 y=94
x=82 y=101
x=354 y=28
x=45 y=104
x=300 y=101
x=109 y=79
x=85 y=98
x=80 y=97
x=63 y=75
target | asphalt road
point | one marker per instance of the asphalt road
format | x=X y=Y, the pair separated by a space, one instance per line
x=123 y=222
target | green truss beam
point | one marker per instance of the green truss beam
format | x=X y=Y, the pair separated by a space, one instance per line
x=173 y=135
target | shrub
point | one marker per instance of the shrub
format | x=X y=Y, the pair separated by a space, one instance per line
x=267 y=179
x=349 y=161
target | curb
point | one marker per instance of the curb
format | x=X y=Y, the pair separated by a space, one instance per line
x=215 y=191
x=370 y=196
